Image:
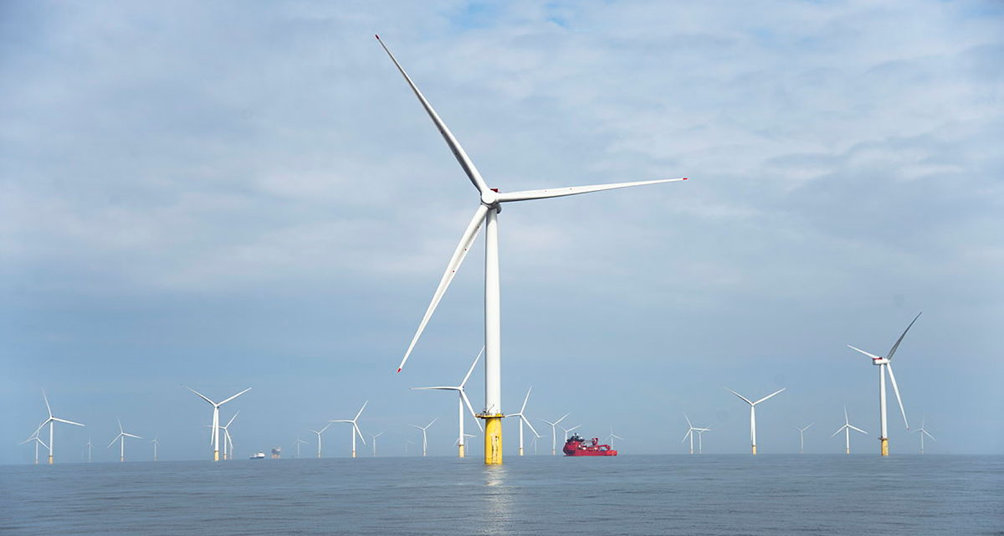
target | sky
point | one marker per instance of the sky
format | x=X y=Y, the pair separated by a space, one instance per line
x=225 y=195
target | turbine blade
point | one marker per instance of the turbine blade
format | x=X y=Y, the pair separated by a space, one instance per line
x=131 y=435
x=360 y=411
x=748 y=401
x=928 y=434
x=451 y=270
x=57 y=419
x=467 y=402
x=436 y=388
x=689 y=424
x=532 y=429
x=525 y=399
x=841 y=429
x=562 y=418
x=900 y=339
x=235 y=396
x=113 y=441
x=895 y=389
x=355 y=428
x=686 y=435
x=202 y=396
x=770 y=395
x=458 y=151
x=852 y=427
x=232 y=419
x=47 y=407
x=528 y=195
x=474 y=364
x=869 y=354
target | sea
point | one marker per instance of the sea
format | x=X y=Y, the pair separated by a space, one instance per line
x=624 y=495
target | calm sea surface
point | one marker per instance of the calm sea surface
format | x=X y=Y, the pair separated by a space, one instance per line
x=677 y=494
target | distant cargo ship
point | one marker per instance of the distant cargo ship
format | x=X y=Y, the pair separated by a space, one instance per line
x=576 y=446
x=257 y=456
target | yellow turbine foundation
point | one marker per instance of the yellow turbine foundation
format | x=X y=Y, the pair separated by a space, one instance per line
x=754 y=450
x=885 y=445
x=216 y=455
x=493 y=439
x=50 y=459
x=461 y=451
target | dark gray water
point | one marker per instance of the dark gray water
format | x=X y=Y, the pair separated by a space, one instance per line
x=779 y=494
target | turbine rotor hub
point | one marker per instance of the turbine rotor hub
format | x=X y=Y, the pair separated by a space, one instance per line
x=490 y=197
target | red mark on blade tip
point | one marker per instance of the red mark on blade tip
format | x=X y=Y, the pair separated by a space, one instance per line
x=399 y=370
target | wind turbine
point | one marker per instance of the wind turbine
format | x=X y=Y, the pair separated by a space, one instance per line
x=89 y=445
x=523 y=419
x=425 y=443
x=753 y=412
x=156 y=443
x=610 y=438
x=690 y=433
x=355 y=428
x=121 y=439
x=846 y=429
x=38 y=441
x=51 y=421
x=801 y=437
x=489 y=205
x=228 y=442
x=298 y=443
x=461 y=401
x=319 y=432
x=922 y=431
x=700 y=439
x=373 y=438
x=215 y=441
x=572 y=429
x=553 y=433
x=885 y=364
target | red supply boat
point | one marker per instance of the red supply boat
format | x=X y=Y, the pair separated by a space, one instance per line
x=576 y=446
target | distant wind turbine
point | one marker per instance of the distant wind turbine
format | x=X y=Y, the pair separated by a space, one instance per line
x=690 y=433
x=319 y=432
x=374 y=438
x=228 y=441
x=156 y=443
x=801 y=437
x=425 y=443
x=121 y=439
x=922 y=431
x=38 y=441
x=90 y=447
x=611 y=436
x=523 y=419
x=572 y=429
x=700 y=439
x=489 y=205
x=462 y=400
x=355 y=427
x=298 y=443
x=51 y=421
x=215 y=440
x=846 y=429
x=753 y=412
x=886 y=364
x=554 y=434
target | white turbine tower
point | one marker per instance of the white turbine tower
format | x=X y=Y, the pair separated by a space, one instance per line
x=846 y=429
x=156 y=443
x=489 y=205
x=374 y=437
x=611 y=436
x=89 y=445
x=319 y=432
x=922 y=431
x=523 y=419
x=37 y=440
x=690 y=433
x=228 y=442
x=425 y=443
x=554 y=434
x=121 y=439
x=885 y=365
x=753 y=413
x=51 y=421
x=355 y=427
x=461 y=401
x=215 y=440
x=801 y=437
x=700 y=439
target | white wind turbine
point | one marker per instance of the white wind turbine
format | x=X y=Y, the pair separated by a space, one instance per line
x=156 y=443
x=489 y=205
x=610 y=438
x=89 y=445
x=554 y=434
x=572 y=429
x=690 y=433
x=51 y=421
x=228 y=442
x=461 y=401
x=121 y=439
x=885 y=364
x=700 y=439
x=355 y=428
x=319 y=432
x=38 y=441
x=373 y=437
x=922 y=431
x=425 y=443
x=298 y=443
x=753 y=412
x=801 y=437
x=215 y=441
x=846 y=429
x=523 y=419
